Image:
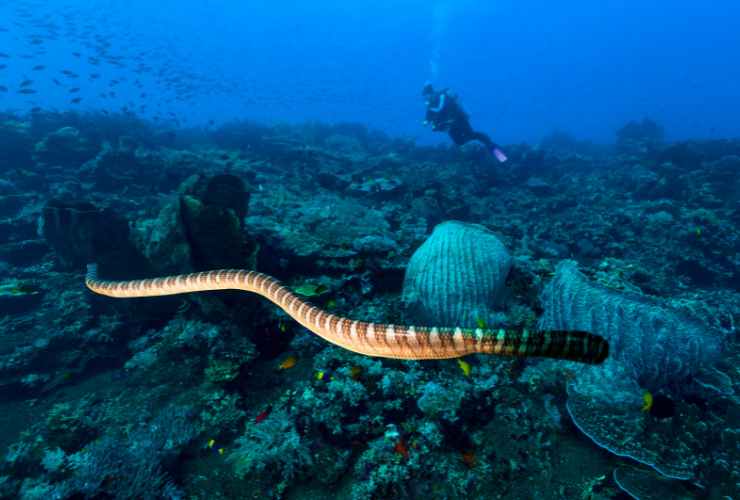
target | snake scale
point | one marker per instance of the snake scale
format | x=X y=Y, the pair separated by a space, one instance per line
x=371 y=339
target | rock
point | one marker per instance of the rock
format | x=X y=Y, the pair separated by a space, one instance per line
x=539 y=186
x=12 y=203
x=639 y=138
x=374 y=245
x=81 y=233
x=661 y=218
x=7 y=187
x=65 y=147
x=16 y=144
x=646 y=484
x=332 y=182
x=112 y=168
x=696 y=272
x=24 y=253
x=213 y=220
x=162 y=241
x=585 y=248
x=127 y=144
x=380 y=188
x=17 y=297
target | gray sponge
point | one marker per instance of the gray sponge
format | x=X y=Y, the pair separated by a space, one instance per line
x=657 y=345
x=456 y=277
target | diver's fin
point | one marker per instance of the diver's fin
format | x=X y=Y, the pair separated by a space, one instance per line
x=500 y=156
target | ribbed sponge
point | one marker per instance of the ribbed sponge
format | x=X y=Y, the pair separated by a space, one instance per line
x=657 y=344
x=456 y=277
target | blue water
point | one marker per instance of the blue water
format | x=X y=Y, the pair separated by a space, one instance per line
x=522 y=69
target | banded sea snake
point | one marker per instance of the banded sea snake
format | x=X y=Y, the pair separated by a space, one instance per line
x=371 y=339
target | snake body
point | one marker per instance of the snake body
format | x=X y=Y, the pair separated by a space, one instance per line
x=371 y=339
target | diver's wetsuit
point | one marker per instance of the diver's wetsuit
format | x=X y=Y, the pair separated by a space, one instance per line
x=446 y=115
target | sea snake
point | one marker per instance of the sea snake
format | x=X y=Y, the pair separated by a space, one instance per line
x=371 y=339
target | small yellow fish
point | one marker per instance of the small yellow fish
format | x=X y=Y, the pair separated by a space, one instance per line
x=319 y=375
x=698 y=232
x=221 y=451
x=468 y=458
x=647 y=402
x=331 y=304
x=211 y=442
x=288 y=363
x=283 y=326
x=481 y=323
x=464 y=366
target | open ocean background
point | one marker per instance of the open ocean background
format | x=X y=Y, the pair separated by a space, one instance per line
x=523 y=69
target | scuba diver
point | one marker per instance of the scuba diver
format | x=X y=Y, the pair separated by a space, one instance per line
x=445 y=114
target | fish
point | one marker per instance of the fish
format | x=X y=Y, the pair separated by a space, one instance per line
x=73 y=90
x=468 y=458
x=26 y=91
x=38 y=67
x=262 y=415
x=211 y=442
x=320 y=375
x=647 y=401
x=288 y=363
x=76 y=100
x=3 y=66
x=26 y=83
x=310 y=289
x=401 y=448
x=3 y=88
x=3 y=55
x=464 y=366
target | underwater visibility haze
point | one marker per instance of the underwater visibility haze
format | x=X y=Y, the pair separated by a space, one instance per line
x=365 y=250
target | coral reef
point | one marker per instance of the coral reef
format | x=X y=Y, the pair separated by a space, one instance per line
x=221 y=396
x=66 y=147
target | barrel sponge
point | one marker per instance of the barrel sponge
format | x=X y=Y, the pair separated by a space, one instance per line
x=456 y=277
x=660 y=346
